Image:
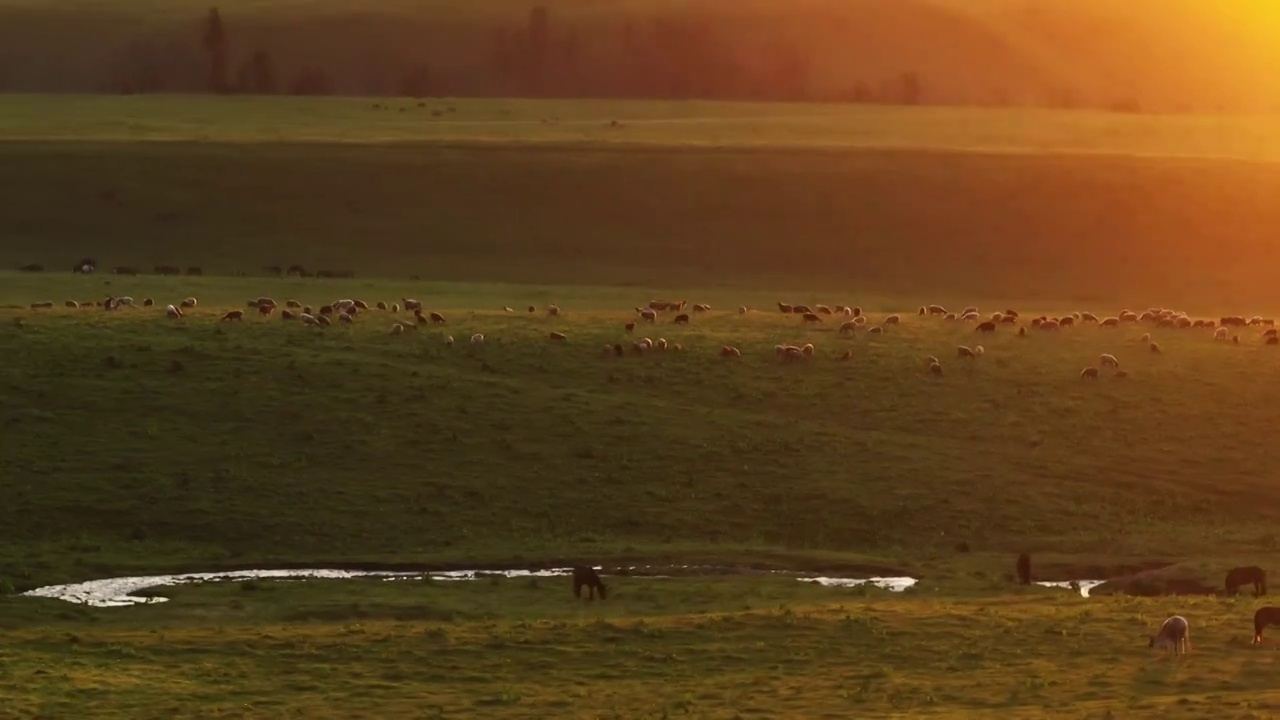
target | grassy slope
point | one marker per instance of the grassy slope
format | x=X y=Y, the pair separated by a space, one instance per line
x=1067 y=214
x=659 y=648
x=280 y=444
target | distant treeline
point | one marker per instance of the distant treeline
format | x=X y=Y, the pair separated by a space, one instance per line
x=866 y=52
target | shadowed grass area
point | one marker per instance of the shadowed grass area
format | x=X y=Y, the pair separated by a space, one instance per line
x=730 y=647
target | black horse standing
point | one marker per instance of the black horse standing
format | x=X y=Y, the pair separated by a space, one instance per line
x=1024 y=569
x=583 y=575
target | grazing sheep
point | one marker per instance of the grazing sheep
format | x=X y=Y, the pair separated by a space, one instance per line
x=1022 y=332
x=308 y=319
x=1220 y=334
x=893 y=320
x=729 y=351
x=1067 y=321
x=949 y=316
x=188 y=303
x=48 y=304
x=1174 y=634
x=383 y=306
x=397 y=329
x=233 y=315
x=1108 y=360
x=1269 y=332
x=647 y=343
x=558 y=336
x=921 y=311
x=822 y=309
x=323 y=321
x=969 y=317
x=1235 y=339
x=742 y=309
x=346 y=318
x=127 y=301
x=812 y=317
x=989 y=326
x=876 y=330
x=1110 y=322
x=72 y=304
x=1154 y=348
x=964 y=352
x=448 y=340
x=860 y=320
x=801 y=309
x=971 y=310
x=701 y=308
x=930 y=360
x=784 y=308
x=979 y=351
x=681 y=319
x=172 y=312
x=1088 y=317
x=148 y=302
x=287 y=315
x=807 y=349
x=649 y=314
x=553 y=311
x=437 y=318
x=361 y=304
x=1089 y=373
x=395 y=307
x=935 y=368
x=1050 y=324
x=846 y=355
x=1273 y=340
x=265 y=310
x=937 y=310
x=412 y=305
x=848 y=326
x=661 y=344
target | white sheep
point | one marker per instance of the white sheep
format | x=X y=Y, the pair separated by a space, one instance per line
x=397 y=329
x=173 y=312
x=1220 y=334
x=978 y=351
x=477 y=338
x=448 y=340
x=189 y=302
x=964 y=351
x=1089 y=373
x=893 y=320
x=1108 y=360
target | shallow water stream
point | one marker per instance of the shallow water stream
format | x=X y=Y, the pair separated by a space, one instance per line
x=118 y=592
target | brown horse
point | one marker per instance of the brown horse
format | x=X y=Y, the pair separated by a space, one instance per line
x=1024 y=569
x=1265 y=616
x=583 y=575
x=1251 y=575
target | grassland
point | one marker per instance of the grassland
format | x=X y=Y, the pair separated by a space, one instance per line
x=132 y=444
x=996 y=211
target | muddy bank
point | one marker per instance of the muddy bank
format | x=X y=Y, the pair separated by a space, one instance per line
x=123 y=591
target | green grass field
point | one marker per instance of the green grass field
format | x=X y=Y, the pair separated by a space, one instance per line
x=132 y=444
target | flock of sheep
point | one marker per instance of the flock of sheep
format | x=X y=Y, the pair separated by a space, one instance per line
x=851 y=319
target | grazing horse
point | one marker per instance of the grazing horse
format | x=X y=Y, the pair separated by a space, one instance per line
x=1251 y=575
x=1174 y=634
x=583 y=575
x=1024 y=569
x=1265 y=616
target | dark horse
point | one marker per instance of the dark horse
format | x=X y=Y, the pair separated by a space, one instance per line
x=1265 y=616
x=1024 y=569
x=1251 y=575
x=583 y=575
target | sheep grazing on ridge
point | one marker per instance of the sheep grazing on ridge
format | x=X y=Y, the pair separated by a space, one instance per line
x=988 y=326
x=448 y=340
x=1110 y=322
x=742 y=309
x=558 y=336
x=930 y=361
x=1088 y=317
x=346 y=318
x=1089 y=373
x=701 y=308
x=812 y=317
x=323 y=321
x=979 y=351
x=553 y=311
x=681 y=319
x=293 y=304
x=172 y=312
x=188 y=303
x=649 y=314
x=1154 y=348
x=412 y=305
x=233 y=315
x=729 y=351
x=508 y=310
x=822 y=309
x=876 y=330
x=1108 y=360
x=437 y=318
x=1220 y=334
x=661 y=344
x=937 y=310
x=46 y=305
x=848 y=326
x=1269 y=332
x=72 y=304
x=935 y=368
x=807 y=349
x=964 y=352
x=397 y=329
x=921 y=311
x=477 y=338
x=893 y=319
x=784 y=308
x=147 y=302
x=1174 y=634
x=287 y=315
x=971 y=310
x=308 y=319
